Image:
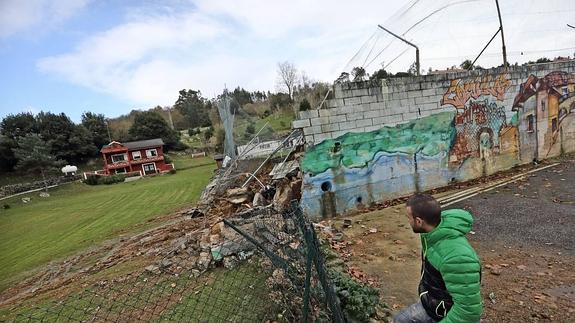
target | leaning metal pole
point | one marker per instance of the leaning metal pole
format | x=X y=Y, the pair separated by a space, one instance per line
x=502 y=37
x=407 y=42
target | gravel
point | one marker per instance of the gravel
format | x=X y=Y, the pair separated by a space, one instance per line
x=538 y=212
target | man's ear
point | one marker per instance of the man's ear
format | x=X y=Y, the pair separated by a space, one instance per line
x=419 y=221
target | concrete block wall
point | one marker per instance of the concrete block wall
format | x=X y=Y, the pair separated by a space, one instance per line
x=465 y=125
x=369 y=105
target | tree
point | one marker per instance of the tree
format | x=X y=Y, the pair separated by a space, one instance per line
x=250 y=132
x=467 y=64
x=18 y=125
x=358 y=74
x=7 y=158
x=380 y=74
x=279 y=100
x=69 y=141
x=96 y=125
x=33 y=154
x=287 y=77
x=194 y=108
x=150 y=125
x=13 y=127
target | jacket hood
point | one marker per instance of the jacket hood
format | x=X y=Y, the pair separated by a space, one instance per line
x=454 y=223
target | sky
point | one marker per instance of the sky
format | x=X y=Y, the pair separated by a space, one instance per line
x=112 y=56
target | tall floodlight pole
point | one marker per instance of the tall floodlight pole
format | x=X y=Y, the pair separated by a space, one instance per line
x=108 y=128
x=407 y=42
x=502 y=37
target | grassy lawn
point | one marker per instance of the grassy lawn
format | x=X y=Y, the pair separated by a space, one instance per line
x=78 y=216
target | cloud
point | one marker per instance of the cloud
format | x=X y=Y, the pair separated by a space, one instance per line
x=160 y=50
x=22 y=15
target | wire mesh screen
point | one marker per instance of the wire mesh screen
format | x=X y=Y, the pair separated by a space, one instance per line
x=255 y=267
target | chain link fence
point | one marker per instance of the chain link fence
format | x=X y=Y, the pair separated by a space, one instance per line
x=259 y=265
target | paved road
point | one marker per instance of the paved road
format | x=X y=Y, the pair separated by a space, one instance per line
x=535 y=213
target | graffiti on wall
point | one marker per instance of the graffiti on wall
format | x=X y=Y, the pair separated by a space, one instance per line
x=545 y=104
x=461 y=91
x=481 y=124
x=479 y=137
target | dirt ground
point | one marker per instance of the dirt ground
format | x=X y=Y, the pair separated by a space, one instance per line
x=523 y=233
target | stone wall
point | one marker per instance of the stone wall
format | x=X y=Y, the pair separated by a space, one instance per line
x=380 y=138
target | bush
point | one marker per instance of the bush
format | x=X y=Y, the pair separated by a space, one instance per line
x=192 y=132
x=172 y=171
x=113 y=179
x=304 y=105
x=358 y=301
x=91 y=180
x=167 y=159
x=6 y=206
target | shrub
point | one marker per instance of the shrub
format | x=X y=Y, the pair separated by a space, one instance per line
x=304 y=105
x=107 y=180
x=167 y=159
x=358 y=301
x=172 y=171
x=91 y=180
x=6 y=206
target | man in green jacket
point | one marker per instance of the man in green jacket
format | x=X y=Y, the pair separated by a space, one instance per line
x=449 y=290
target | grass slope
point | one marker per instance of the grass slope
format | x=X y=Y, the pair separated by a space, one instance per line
x=78 y=216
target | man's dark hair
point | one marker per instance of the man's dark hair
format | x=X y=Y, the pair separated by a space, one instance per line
x=424 y=206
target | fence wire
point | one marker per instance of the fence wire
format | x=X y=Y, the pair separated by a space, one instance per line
x=260 y=266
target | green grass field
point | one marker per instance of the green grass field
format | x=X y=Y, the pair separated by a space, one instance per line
x=77 y=216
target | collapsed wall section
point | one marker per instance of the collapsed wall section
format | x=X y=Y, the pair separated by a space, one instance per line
x=373 y=141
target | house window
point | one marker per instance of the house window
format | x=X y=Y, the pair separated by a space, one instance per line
x=530 y=123
x=136 y=155
x=151 y=153
x=554 y=124
x=118 y=158
x=149 y=168
x=121 y=171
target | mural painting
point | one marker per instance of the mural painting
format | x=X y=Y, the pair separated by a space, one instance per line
x=479 y=137
x=545 y=106
x=361 y=168
x=482 y=127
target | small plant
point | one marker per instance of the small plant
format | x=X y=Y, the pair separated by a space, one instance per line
x=358 y=301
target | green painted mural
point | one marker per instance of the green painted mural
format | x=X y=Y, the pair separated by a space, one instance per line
x=428 y=136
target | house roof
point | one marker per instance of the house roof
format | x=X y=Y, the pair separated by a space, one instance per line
x=141 y=144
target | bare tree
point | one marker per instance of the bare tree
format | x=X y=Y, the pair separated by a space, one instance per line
x=287 y=77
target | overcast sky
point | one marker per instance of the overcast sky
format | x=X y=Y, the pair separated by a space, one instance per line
x=111 y=56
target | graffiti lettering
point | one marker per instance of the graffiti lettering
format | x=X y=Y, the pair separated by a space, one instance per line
x=460 y=92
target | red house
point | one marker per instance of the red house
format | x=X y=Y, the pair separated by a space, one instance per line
x=145 y=157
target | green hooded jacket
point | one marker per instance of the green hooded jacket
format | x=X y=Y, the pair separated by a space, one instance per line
x=451 y=271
